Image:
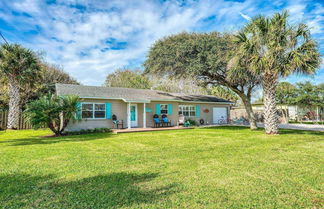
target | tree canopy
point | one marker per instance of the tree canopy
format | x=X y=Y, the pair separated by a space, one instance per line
x=285 y=93
x=127 y=79
x=308 y=95
x=43 y=84
x=205 y=57
x=225 y=93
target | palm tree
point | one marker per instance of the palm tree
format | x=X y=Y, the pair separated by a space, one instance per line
x=274 y=49
x=54 y=112
x=20 y=66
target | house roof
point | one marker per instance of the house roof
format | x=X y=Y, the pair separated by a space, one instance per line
x=131 y=95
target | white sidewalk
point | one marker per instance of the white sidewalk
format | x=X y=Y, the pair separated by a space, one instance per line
x=306 y=127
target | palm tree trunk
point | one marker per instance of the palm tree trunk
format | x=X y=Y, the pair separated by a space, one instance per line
x=14 y=104
x=53 y=129
x=270 y=106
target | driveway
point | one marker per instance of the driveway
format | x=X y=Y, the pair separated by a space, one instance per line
x=306 y=127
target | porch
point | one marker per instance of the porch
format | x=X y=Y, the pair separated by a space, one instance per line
x=140 y=114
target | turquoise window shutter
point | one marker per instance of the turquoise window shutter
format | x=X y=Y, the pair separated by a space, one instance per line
x=158 y=109
x=169 y=109
x=197 y=110
x=78 y=111
x=108 y=110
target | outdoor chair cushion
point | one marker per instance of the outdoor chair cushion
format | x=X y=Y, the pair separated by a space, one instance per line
x=156 y=120
x=165 y=120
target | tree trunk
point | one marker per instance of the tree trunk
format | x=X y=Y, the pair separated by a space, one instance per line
x=14 y=104
x=270 y=106
x=248 y=107
x=52 y=127
x=285 y=116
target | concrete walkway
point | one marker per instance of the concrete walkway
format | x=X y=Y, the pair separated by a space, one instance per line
x=149 y=129
x=305 y=127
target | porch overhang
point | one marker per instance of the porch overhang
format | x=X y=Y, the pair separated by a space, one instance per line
x=136 y=101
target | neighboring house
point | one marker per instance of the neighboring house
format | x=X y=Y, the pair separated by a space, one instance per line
x=294 y=112
x=136 y=107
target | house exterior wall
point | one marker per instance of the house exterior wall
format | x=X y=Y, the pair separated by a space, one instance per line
x=173 y=117
x=206 y=116
x=119 y=108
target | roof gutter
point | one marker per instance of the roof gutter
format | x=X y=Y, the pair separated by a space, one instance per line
x=161 y=100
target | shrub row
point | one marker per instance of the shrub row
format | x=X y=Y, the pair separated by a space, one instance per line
x=88 y=131
x=192 y=122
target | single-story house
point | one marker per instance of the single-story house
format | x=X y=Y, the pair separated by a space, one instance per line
x=295 y=112
x=136 y=107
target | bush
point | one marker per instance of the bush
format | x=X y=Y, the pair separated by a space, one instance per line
x=192 y=122
x=51 y=111
x=88 y=131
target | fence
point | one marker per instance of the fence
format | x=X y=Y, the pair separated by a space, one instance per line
x=23 y=124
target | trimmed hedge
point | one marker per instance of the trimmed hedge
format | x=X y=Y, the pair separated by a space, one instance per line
x=88 y=131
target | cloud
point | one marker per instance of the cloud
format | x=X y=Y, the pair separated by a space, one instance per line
x=245 y=16
x=93 y=38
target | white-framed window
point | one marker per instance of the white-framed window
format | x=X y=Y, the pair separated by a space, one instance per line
x=93 y=110
x=164 y=108
x=187 y=110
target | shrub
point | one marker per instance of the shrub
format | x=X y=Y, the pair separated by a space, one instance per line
x=192 y=122
x=88 y=131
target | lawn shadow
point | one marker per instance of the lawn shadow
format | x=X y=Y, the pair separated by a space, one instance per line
x=104 y=191
x=301 y=132
x=281 y=131
x=227 y=127
x=32 y=140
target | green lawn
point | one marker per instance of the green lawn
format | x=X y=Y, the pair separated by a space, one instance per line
x=226 y=167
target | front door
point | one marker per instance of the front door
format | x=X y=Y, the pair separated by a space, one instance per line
x=133 y=115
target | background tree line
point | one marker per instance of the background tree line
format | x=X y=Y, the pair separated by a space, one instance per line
x=25 y=77
x=304 y=94
x=44 y=84
x=127 y=78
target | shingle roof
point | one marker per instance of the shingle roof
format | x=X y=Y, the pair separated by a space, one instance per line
x=131 y=95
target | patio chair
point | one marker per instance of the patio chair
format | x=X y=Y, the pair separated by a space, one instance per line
x=181 y=120
x=165 y=121
x=117 y=123
x=156 y=120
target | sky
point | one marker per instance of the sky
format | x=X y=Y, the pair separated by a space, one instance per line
x=91 y=38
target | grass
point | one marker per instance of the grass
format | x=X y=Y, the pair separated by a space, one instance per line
x=225 y=167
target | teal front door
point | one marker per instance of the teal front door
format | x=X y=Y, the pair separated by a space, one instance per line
x=133 y=115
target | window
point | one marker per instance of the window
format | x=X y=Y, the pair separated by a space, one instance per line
x=187 y=110
x=90 y=110
x=87 y=110
x=164 y=108
x=100 y=111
